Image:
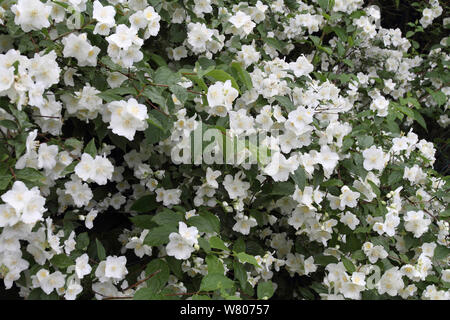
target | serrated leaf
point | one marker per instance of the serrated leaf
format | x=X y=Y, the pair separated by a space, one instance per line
x=62 y=261
x=285 y=102
x=299 y=177
x=101 y=253
x=145 y=204
x=223 y=76
x=217 y=243
x=215 y=281
x=265 y=290
x=143 y=221
x=159 y=235
x=246 y=258
x=168 y=217
x=243 y=75
x=90 y=148
x=214 y=265
x=205 y=222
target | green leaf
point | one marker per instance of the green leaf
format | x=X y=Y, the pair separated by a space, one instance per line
x=323 y=4
x=299 y=177
x=205 y=222
x=73 y=144
x=115 y=94
x=155 y=122
x=239 y=245
x=275 y=43
x=214 y=265
x=143 y=221
x=223 y=76
x=282 y=188
x=158 y=130
x=145 y=204
x=243 y=75
x=82 y=241
x=348 y=265
x=5 y=179
x=179 y=92
x=159 y=235
x=240 y=273
x=285 y=102
x=341 y=33
x=325 y=260
x=375 y=188
x=246 y=258
x=62 y=261
x=332 y=183
x=101 y=253
x=145 y=294
x=90 y=148
x=445 y=214
x=365 y=142
x=418 y=117
x=30 y=175
x=9 y=124
x=164 y=75
x=69 y=169
x=168 y=217
x=441 y=252
x=265 y=290
x=160 y=272
x=215 y=281
x=217 y=243
x=158 y=60
x=175 y=266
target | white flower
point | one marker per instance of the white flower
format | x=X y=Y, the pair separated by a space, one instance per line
x=279 y=168
x=115 y=267
x=140 y=249
x=242 y=21
x=416 y=223
x=127 y=117
x=82 y=267
x=47 y=156
x=178 y=247
x=350 y=220
x=73 y=289
x=34 y=208
x=198 y=35
x=240 y=122
x=31 y=14
x=235 y=186
x=190 y=234
x=327 y=158
x=301 y=66
x=391 y=282
x=348 y=198
x=220 y=97
x=89 y=220
x=374 y=158
x=244 y=224
x=28 y=203
x=211 y=177
x=6 y=78
x=8 y=216
x=124 y=37
x=104 y=14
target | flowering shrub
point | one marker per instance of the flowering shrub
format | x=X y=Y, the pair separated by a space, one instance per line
x=221 y=149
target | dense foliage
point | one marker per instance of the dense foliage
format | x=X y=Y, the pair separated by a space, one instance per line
x=215 y=149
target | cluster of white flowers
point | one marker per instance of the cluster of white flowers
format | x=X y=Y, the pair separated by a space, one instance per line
x=322 y=98
x=126 y=117
x=429 y=14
